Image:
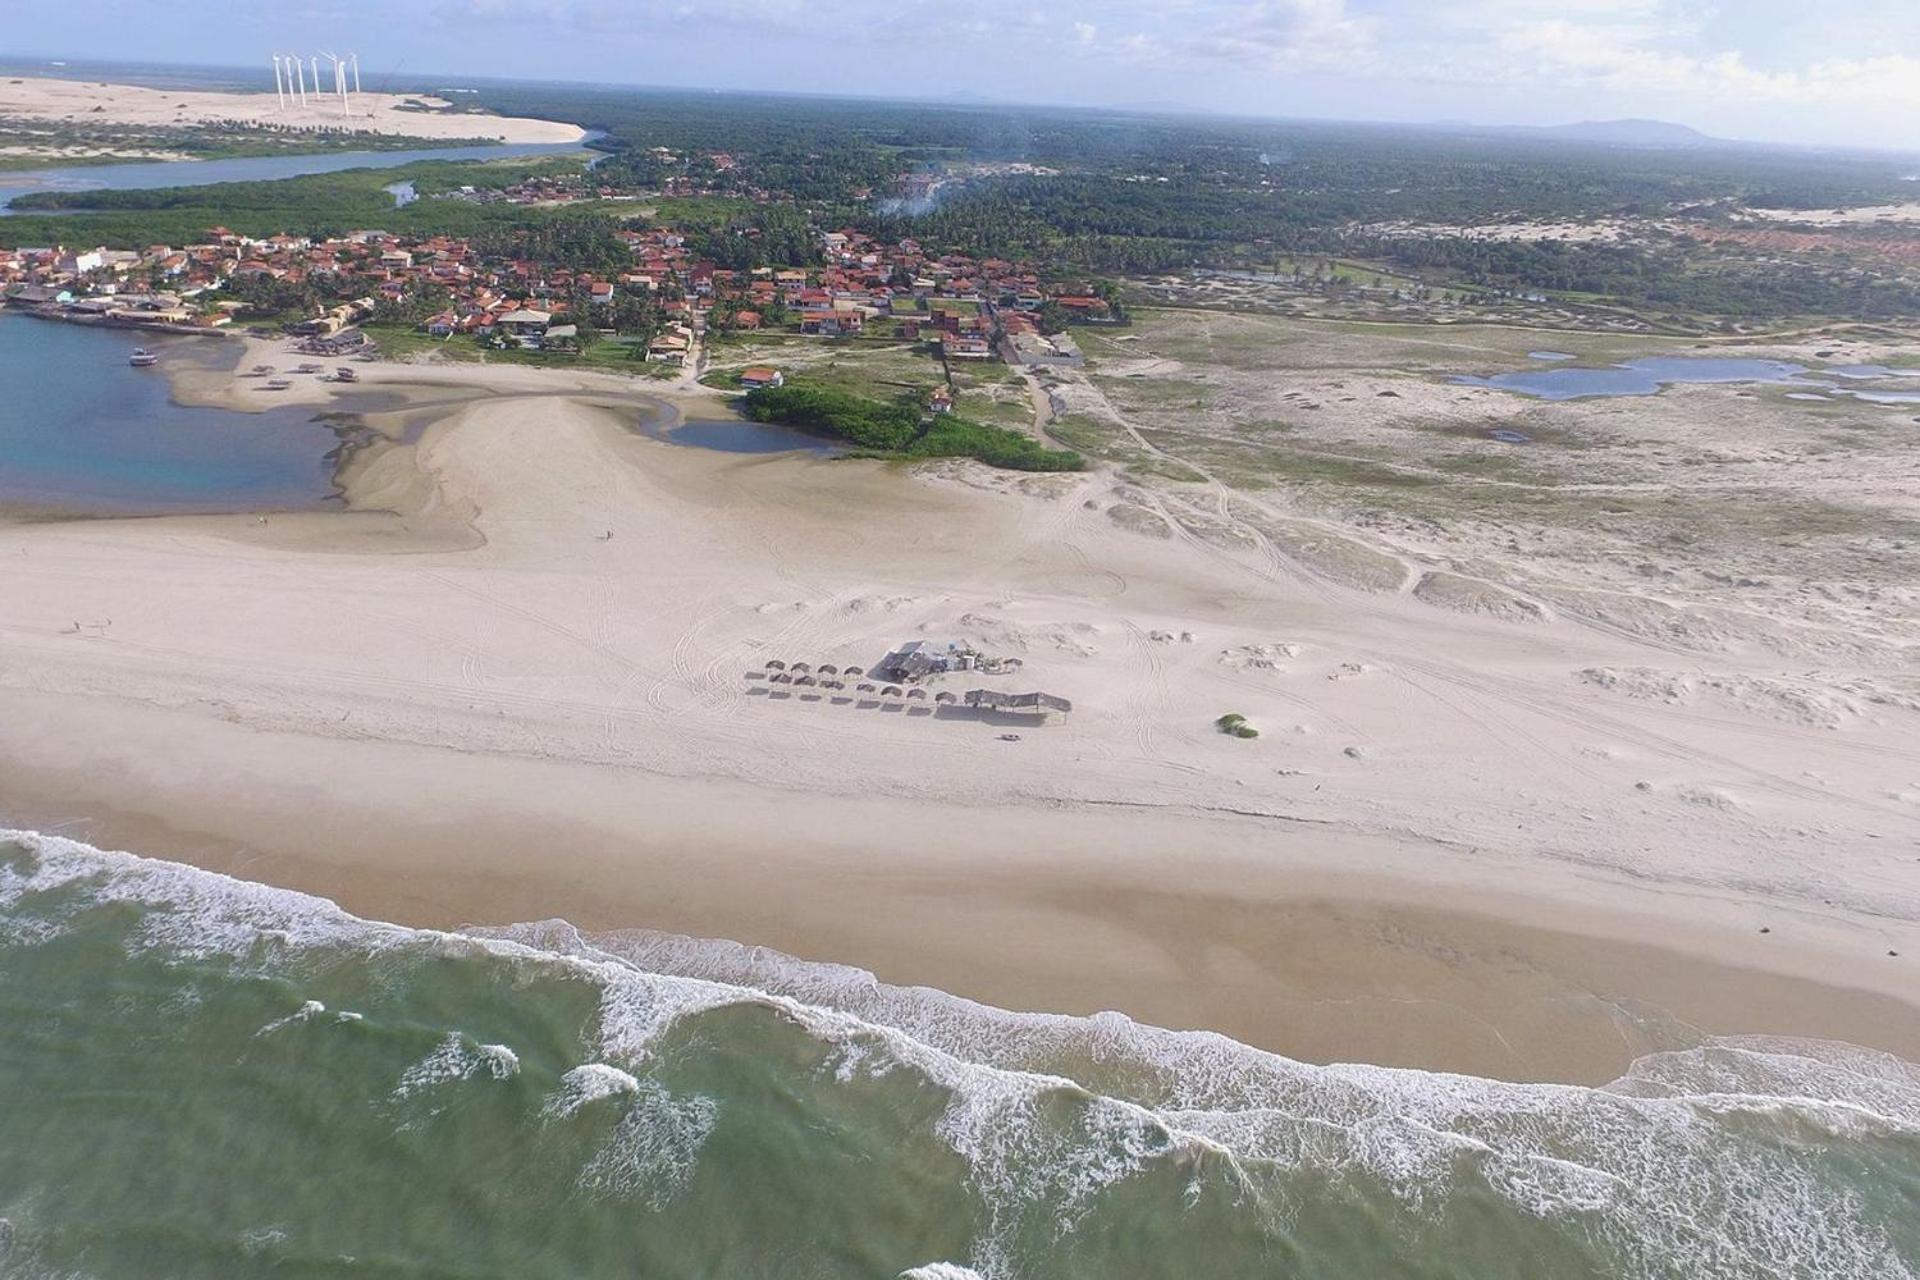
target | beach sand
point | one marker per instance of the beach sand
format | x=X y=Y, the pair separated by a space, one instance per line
x=407 y=115
x=462 y=702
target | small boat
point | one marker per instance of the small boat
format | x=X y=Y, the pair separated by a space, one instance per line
x=345 y=375
x=143 y=358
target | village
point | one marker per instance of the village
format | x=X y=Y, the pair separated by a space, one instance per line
x=660 y=303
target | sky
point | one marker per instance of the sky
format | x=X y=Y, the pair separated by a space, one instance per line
x=1843 y=72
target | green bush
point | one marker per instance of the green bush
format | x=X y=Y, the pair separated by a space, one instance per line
x=1235 y=725
x=899 y=429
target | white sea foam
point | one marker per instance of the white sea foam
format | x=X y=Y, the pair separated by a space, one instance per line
x=941 y=1271
x=307 y=1012
x=1667 y=1165
x=653 y=1149
x=591 y=1082
x=457 y=1058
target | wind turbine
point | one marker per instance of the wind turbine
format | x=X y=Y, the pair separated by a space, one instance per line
x=339 y=79
x=354 y=58
x=279 y=94
x=299 y=77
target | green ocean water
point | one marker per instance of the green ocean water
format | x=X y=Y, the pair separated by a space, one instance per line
x=205 y=1077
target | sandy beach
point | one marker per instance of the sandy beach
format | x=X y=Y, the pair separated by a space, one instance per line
x=52 y=101
x=521 y=672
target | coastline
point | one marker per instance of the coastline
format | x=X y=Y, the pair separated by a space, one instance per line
x=1324 y=947
x=462 y=642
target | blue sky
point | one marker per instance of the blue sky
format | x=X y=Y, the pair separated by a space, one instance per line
x=1847 y=71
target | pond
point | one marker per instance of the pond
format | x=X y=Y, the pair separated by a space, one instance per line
x=736 y=435
x=1652 y=374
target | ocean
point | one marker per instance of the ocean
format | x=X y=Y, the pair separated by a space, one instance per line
x=208 y=1077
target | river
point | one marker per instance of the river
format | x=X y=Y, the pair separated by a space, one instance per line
x=200 y=173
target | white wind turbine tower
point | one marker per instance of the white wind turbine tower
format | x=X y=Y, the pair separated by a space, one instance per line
x=299 y=76
x=279 y=93
x=354 y=58
x=339 y=79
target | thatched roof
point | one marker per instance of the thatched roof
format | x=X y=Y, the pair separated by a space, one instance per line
x=853 y=671
x=828 y=669
x=774 y=664
x=996 y=701
x=809 y=681
x=917 y=693
x=891 y=691
x=866 y=688
x=945 y=697
x=798 y=667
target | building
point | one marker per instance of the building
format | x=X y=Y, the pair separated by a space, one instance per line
x=761 y=376
x=1039 y=350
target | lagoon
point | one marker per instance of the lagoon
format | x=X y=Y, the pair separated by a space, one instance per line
x=200 y=173
x=83 y=433
x=1653 y=374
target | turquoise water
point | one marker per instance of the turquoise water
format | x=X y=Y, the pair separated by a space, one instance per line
x=1653 y=374
x=206 y=1077
x=82 y=431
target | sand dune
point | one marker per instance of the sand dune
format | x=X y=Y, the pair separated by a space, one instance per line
x=466 y=701
x=29 y=99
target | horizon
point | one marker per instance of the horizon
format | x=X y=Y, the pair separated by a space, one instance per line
x=1772 y=75
x=241 y=73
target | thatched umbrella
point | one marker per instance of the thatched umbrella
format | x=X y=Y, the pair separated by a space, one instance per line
x=891 y=691
x=809 y=681
x=774 y=664
x=946 y=698
x=917 y=693
x=853 y=671
x=865 y=688
x=828 y=669
x=781 y=678
x=798 y=667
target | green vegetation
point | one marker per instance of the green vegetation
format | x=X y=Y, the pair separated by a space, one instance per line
x=1235 y=725
x=900 y=429
x=321 y=204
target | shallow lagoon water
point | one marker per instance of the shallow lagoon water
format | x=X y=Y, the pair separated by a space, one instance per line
x=82 y=432
x=742 y=436
x=1650 y=375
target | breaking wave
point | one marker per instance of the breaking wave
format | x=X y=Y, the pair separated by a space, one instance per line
x=1697 y=1161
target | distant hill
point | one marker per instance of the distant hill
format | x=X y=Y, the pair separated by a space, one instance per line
x=1618 y=133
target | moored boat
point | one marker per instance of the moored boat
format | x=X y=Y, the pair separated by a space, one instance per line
x=142 y=358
